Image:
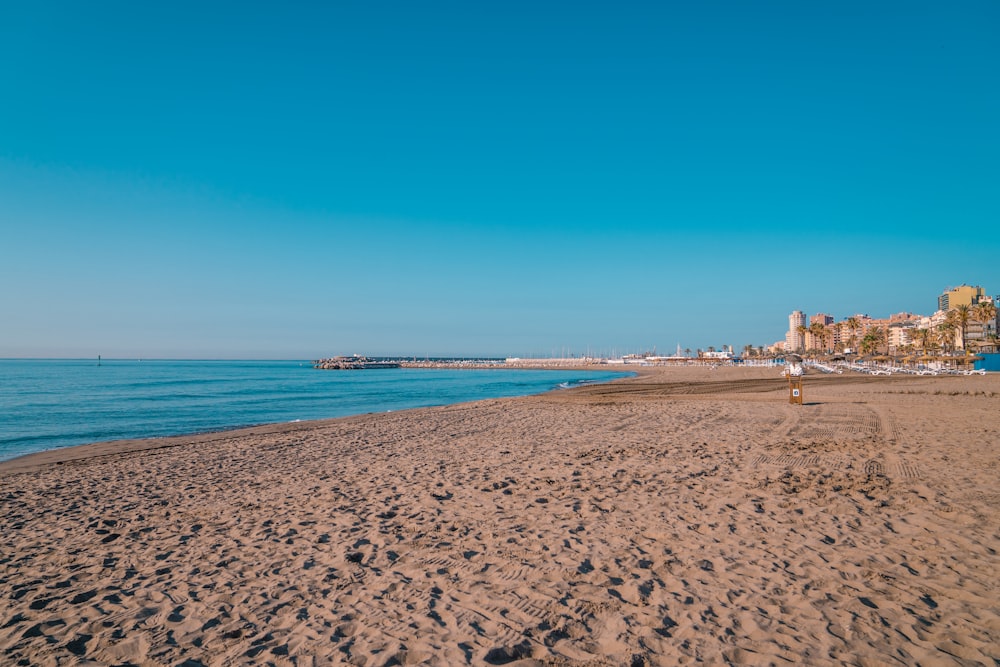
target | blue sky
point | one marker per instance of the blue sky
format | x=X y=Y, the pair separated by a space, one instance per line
x=234 y=180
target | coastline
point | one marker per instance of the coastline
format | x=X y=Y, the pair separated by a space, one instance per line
x=107 y=448
x=129 y=401
x=668 y=517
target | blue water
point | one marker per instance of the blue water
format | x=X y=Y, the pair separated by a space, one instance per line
x=46 y=404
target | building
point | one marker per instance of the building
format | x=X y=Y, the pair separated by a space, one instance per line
x=963 y=295
x=821 y=318
x=850 y=338
x=899 y=329
x=982 y=335
x=934 y=322
x=901 y=335
x=814 y=342
x=839 y=337
x=794 y=340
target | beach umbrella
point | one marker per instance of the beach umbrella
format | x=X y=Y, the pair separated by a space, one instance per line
x=967 y=359
x=793 y=358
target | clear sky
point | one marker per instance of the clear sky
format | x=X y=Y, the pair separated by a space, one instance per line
x=295 y=180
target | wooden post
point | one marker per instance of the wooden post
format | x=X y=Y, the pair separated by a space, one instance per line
x=795 y=389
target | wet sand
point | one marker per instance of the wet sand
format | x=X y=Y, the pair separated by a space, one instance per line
x=683 y=516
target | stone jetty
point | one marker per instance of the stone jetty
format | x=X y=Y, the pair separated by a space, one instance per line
x=353 y=363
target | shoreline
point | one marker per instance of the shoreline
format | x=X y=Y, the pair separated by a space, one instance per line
x=656 y=520
x=132 y=443
x=109 y=448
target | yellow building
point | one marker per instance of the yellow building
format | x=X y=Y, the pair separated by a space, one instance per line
x=960 y=296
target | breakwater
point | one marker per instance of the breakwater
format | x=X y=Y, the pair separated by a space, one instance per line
x=353 y=363
x=358 y=362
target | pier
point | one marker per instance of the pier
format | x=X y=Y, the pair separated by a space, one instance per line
x=353 y=363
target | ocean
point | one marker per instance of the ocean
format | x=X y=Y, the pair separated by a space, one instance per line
x=47 y=404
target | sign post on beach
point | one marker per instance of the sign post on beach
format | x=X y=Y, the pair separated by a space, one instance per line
x=795 y=389
x=794 y=372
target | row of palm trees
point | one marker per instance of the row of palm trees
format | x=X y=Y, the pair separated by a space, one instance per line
x=876 y=339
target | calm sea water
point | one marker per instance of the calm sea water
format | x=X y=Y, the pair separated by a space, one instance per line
x=46 y=404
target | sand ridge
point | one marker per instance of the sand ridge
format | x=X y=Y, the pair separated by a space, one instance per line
x=683 y=516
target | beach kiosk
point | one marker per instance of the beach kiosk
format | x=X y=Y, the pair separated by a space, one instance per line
x=794 y=372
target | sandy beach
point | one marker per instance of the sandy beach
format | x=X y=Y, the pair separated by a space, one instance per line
x=682 y=516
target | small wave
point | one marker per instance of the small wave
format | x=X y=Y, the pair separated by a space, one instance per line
x=570 y=384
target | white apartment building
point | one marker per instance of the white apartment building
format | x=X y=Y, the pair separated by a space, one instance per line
x=900 y=335
x=793 y=339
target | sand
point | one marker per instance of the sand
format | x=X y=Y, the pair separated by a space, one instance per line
x=683 y=516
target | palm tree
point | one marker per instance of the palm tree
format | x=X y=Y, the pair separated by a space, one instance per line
x=879 y=337
x=803 y=330
x=984 y=313
x=870 y=341
x=853 y=325
x=960 y=317
x=936 y=338
x=923 y=338
x=946 y=335
x=840 y=335
x=825 y=336
x=829 y=335
x=818 y=332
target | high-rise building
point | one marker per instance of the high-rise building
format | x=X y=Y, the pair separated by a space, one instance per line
x=794 y=340
x=821 y=318
x=964 y=295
